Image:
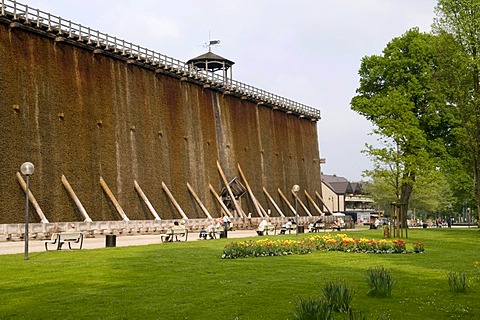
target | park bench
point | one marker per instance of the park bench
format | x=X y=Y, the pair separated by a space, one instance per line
x=317 y=227
x=292 y=228
x=334 y=227
x=269 y=228
x=218 y=232
x=59 y=239
x=174 y=233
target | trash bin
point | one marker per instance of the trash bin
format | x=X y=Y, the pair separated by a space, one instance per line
x=424 y=226
x=301 y=229
x=222 y=234
x=110 y=240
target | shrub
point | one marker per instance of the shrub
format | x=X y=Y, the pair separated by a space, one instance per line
x=338 y=296
x=380 y=281
x=384 y=246
x=332 y=244
x=312 y=309
x=399 y=246
x=347 y=244
x=418 y=247
x=457 y=281
x=366 y=245
x=356 y=315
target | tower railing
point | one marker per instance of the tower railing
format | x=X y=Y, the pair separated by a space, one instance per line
x=68 y=29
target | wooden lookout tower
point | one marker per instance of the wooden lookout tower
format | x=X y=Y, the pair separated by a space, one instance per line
x=211 y=63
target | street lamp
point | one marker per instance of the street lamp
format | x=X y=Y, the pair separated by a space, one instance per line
x=27 y=169
x=295 y=189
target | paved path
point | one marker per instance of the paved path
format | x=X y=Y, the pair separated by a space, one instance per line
x=13 y=247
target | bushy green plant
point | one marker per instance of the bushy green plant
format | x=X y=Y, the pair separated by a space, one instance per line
x=332 y=244
x=384 y=246
x=312 y=309
x=418 y=247
x=338 y=295
x=380 y=281
x=355 y=315
x=366 y=245
x=457 y=281
x=399 y=246
x=348 y=245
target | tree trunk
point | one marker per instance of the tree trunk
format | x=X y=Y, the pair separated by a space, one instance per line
x=406 y=191
x=476 y=144
x=477 y=188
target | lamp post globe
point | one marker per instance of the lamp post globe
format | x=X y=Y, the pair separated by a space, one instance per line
x=27 y=169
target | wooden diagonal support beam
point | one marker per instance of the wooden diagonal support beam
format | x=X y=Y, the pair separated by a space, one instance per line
x=31 y=198
x=265 y=214
x=250 y=192
x=146 y=201
x=230 y=192
x=323 y=202
x=313 y=203
x=113 y=199
x=302 y=204
x=273 y=202
x=199 y=202
x=219 y=199
x=174 y=202
x=75 y=199
x=287 y=202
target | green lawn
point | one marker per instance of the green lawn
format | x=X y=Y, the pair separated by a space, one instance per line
x=189 y=280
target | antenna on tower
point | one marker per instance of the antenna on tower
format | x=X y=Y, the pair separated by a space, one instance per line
x=211 y=43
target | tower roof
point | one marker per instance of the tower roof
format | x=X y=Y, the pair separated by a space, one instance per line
x=211 y=61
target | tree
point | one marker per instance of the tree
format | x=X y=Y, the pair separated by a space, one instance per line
x=431 y=193
x=395 y=94
x=458 y=22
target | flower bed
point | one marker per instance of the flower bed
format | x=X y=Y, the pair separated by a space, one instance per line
x=418 y=247
x=327 y=242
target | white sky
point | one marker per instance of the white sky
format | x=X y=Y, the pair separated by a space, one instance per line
x=305 y=50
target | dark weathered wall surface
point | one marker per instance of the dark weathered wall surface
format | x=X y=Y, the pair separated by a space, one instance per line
x=87 y=116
